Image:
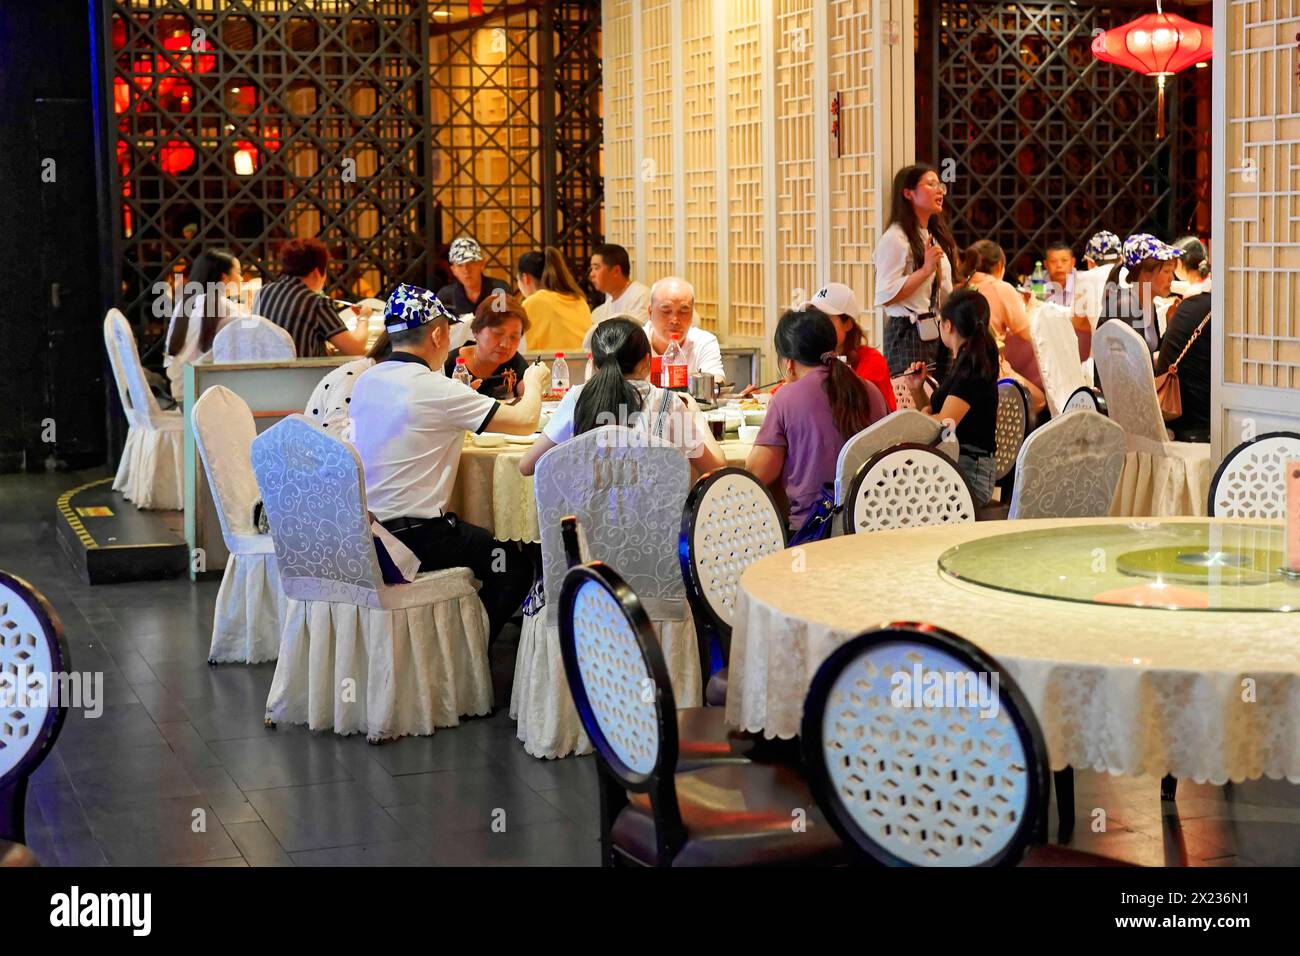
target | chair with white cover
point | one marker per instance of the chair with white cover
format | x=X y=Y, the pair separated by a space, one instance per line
x=1161 y=477
x=356 y=654
x=907 y=486
x=906 y=779
x=151 y=472
x=1251 y=481
x=1011 y=424
x=1056 y=347
x=1085 y=398
x=328 y=405
x=1069 y=468
x=253 y=339
x=907 y=425
x=627 y=491
x=250 y=604
x=656 y=810
x=730 y=521
x=33 y=655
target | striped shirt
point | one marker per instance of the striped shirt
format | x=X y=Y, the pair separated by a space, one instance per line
x=309 y=317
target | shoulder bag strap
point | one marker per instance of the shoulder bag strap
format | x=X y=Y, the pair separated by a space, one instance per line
x=1173 y=366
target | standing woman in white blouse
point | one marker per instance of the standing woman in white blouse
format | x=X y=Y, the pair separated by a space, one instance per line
x=914 y=270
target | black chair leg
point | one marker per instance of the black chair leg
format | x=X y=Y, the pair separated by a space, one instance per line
x=1064 y=783
x=1168 y=788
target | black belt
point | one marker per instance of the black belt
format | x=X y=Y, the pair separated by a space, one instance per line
x=397 y=525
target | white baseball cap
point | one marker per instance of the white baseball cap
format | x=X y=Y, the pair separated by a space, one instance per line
x=835 y=298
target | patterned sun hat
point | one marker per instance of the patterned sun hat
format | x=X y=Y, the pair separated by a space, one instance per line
x=464 y=250
x=1146 y=246
x=410 y=307
x=1103 y=247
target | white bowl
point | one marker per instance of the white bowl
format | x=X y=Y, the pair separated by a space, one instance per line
x=748 y=433
x=755 y=417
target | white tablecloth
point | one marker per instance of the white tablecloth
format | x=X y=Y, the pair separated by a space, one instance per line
x=491 y=493
x=1128 y=690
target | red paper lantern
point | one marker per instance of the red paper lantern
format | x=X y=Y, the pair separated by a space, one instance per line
x=178 y=41
x=176 y=157
x=476 y=8
x=1158 y=44
x=175 y=94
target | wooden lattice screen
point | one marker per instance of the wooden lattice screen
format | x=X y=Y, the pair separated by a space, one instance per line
x=238 y=124
x=1045 y=142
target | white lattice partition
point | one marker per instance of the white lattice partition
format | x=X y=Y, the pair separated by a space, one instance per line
x=719 y=161
x=853 y=207
x=699 y=157
x=619 y=95
x=746 y=197
x=658 y=258
x=1256 y=250
x=796 y=188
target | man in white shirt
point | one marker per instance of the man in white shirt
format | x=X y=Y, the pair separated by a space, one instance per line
x=610 y=273
x=408 y=424
x=672 y=311
x=1060 y=274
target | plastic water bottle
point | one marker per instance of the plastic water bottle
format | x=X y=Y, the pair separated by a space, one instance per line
x=461 y=373
x=560 y=375
x=674 y=365
x=1038 y=282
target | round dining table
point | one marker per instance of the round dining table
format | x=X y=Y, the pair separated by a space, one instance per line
x=1157 y=647
x=491 y=493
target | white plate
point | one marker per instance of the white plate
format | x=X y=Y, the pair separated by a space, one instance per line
x=520 y=439
x=488 y=440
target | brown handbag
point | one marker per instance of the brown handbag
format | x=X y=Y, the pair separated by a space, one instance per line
x=1168 y=392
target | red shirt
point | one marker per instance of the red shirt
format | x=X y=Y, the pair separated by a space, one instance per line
x=872 y=367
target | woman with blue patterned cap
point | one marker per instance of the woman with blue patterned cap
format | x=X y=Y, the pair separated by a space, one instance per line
x=1150 y=265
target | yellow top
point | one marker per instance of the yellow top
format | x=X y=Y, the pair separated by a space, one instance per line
x=556 y=322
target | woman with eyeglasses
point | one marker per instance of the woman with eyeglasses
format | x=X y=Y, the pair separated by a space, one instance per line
x=915 y=263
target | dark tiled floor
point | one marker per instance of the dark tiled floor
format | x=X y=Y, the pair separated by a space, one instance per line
x=179 y=769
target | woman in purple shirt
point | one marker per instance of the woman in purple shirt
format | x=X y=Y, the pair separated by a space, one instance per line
x=822 y=406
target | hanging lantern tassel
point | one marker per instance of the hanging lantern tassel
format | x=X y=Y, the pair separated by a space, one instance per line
x=1160 y=106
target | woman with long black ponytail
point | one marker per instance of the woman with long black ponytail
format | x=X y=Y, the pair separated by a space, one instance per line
x=822 y=405
x=967 y=400
x=620 y=393
x=209 y=302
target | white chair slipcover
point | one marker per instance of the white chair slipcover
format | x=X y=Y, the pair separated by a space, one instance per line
x=627 y=490
x=151 y=472
x=328 y=405
x=357 y=654
x=1251 y=481
x=250 y=605
x=904 y=425
x=1056 y=347
x=1069 y=468
x=253 y=339
x=1160 y=477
